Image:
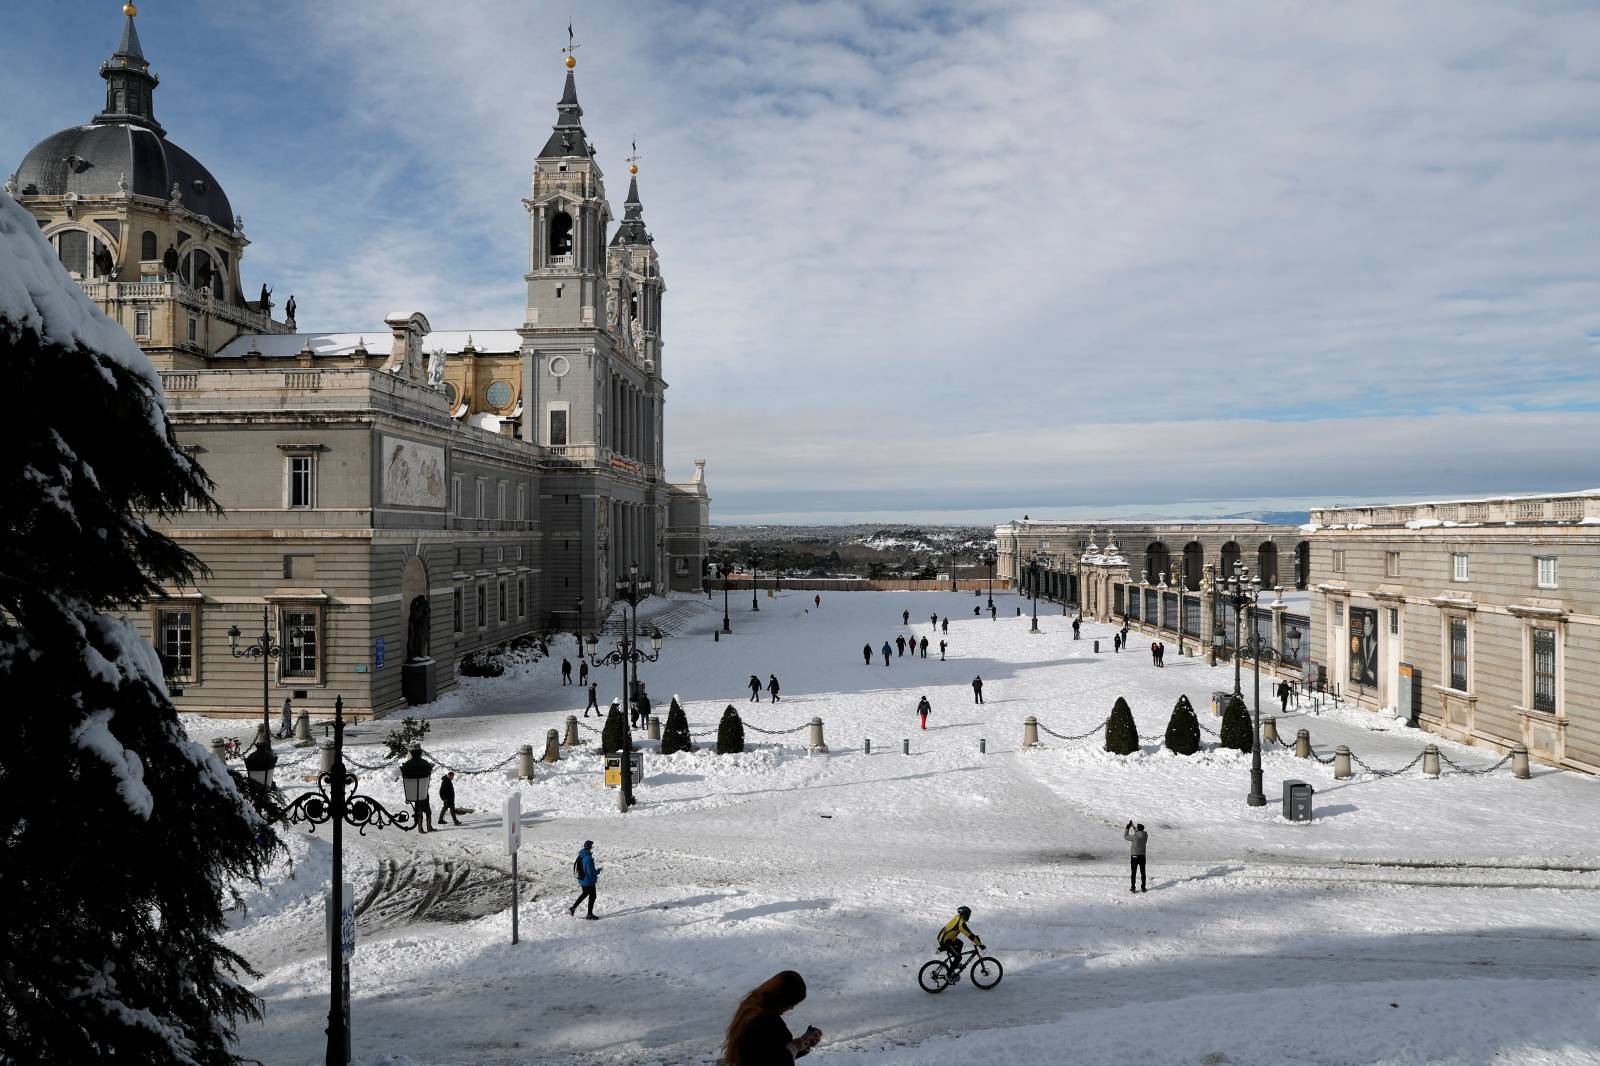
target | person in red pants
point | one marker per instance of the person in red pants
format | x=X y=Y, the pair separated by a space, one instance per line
x=923 y=707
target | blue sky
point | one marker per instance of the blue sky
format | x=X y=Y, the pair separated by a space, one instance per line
x=956 y=261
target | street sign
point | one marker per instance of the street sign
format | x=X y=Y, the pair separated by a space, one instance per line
x=377 y=652
x=341 y=926
x=512 y=827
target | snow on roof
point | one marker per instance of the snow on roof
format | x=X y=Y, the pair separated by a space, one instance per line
x=36 y=293
x=379 y=340
x=1460 y=499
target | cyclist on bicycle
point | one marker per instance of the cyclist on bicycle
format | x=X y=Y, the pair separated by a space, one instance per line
x=950 y=937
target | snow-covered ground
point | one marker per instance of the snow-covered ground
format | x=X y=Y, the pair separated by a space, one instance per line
x=1450 y=920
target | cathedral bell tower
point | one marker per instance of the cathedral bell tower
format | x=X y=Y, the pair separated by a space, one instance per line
x=637 y=286
x=567 y=218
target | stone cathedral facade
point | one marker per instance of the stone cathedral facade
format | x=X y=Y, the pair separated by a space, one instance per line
x=394 y=497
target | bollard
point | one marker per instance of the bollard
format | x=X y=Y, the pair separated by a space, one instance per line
x=653 y=731
x=1097 y=647
x=525 y=762
x=302 y=725
x=219 y=748
x=263 y=737
x=816 y=736
x=716 y=636
x=1519 y=762
x=1269 y=731
x=325 y=762
x=905 y=746
x=571 y=739
x=1430 y=761
x=1302 y=744
x=866 y=746
x=983 y=746
x=1341 y=763
x=552 y=747
x=1030 y=732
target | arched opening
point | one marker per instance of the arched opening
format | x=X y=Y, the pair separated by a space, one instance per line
x=633 y=305
x=1194 y=561
x=1157 y=561
x=83 y=255
x=1267 y=563
x=560 y=234
x=200 y=272
x=1302 y=564
x=1230 y=556
x=414 y=595
x=147 y=246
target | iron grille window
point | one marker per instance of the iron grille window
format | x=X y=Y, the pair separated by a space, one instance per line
x=1458 y=654
x=1394 y=621
x=502 y=604
x=177 y=642
x=455 y=609
x=483 y=605
x=301 y=483
x=1544 y=670
x=300 y=644
x=522 y=597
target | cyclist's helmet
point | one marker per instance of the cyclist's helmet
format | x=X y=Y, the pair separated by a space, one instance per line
x=965 y=912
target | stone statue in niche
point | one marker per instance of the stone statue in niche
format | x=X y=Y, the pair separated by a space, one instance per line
x=436 y=359
x=417 y=630
x=169 y=260
x=289 y=309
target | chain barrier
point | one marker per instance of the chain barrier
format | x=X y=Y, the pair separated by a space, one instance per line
x=383 y=765
x=705 y=733
x=1154 y=738
x=586 y=727
x=776 y=732
x=1080 y=736
x=470 y=773
x=1469 y=771
x=1384 y=773
x=1208 y=731
x=1325 y=762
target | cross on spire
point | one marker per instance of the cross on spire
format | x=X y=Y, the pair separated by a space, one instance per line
x=572 y=46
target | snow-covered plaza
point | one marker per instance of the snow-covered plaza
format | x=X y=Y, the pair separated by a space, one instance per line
x=1414 y=920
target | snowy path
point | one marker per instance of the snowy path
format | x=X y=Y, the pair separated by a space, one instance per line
x=1260 y=941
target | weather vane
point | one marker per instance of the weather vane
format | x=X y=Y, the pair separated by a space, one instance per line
x=572 y=46
x=633 y=160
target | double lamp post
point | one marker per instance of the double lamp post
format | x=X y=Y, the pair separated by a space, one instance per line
x=628 y=653
x=1243 y=592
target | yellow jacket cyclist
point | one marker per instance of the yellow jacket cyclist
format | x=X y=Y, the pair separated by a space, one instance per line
x=956 y=928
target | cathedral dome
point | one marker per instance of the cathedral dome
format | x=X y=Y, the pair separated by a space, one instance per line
x=111 y=158
x=123 y=149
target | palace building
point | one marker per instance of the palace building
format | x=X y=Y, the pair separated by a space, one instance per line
x=393 y=497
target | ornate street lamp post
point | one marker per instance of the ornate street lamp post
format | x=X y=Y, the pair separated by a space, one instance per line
x=755 y=604
x=1036 y=565
x=627 y=652
x=1244 y=591
x=988 y=558
x=266 y=649
x=723 y=570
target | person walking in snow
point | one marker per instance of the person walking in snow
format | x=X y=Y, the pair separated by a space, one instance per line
x=1283 y=695
x=447 y=798
x=977 y=690
x=1136 y=837
x=286 y=721
x=866 y=654
x=944 y=627
x=566 y=672
x=594 y=700
x=941 y=650
x=819 y=599
x=1116 y=642
x=772 y=688
x=924 y=708
x=923 y=647
x=1077 y=623
x=977 y=611
x=641 y=704
x=755 y=689
x=994 y=613
x=1154 y=654
x=422 y=812
x=933 y=620
x=886 y=651
x=905 y=618
x=900 y=643
x=588 y=879
x=1161 y=653
x=583 y=672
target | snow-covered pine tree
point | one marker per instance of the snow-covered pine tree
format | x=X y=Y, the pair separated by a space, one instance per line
x=614 y=735
x=1183 y=729
x=121 y=836
x=675 y=734
x=1236 y=732
x=1122 y=735
x=730 y=732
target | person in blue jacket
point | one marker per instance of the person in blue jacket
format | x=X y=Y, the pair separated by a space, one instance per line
x=886 y=650
x=588 y=878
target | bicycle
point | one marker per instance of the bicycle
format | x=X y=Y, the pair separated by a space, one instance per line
x=936 y=976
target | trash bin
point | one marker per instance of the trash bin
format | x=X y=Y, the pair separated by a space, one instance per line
x=1219 y=702
x=1297 y=801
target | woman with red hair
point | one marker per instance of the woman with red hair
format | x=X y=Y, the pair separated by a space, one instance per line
x=757 y=1036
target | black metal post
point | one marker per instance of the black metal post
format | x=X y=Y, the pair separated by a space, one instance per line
x=628 y=690
x=755 y=604
x=1035 y=598
x=1257 y=797
x=337 y=1022
x=723 y=571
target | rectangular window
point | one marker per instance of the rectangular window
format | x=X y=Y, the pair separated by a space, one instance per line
x=1338 y=560
x=483 y=605
x=1461 y=568
x=455 y=504
x=558 y=426
x=482 y=511
x=175 y=638
x=194 y=329
x=455 y=610
x=1391 y=564
x=1458 y=654
x=1338 y=614
x=141 y=323
x=522 y=503
x=299 y=639
x=1544 y=670
x=500 y=512
x=1547 y=572
x=522 y=597
x=302 y=480
x=502 y=594
x=1394 y=621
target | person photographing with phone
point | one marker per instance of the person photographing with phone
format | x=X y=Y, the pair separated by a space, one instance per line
x=758 y=1035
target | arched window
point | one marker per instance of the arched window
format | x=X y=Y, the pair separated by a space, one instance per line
x=1267 y=563
x=199 y=271
x=83 y=255
x=560 y=234
x=1194 y=559
x=147 y=246
x=1230 y=555
x=1157 y=561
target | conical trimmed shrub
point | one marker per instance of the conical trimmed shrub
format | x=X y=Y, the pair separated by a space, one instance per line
x=1236 y=725
x=614 y=735
x=675 y=735
x=1183 y=729
x=1122 y=733
x=730 y=732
